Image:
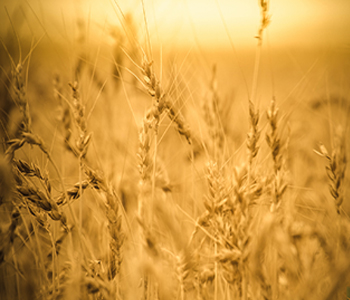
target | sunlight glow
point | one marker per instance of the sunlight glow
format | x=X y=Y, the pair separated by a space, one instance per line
x=186 y=23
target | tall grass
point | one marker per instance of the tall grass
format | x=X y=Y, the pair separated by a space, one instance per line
x=116 y=182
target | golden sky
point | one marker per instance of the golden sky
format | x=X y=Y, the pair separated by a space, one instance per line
x=187 y=22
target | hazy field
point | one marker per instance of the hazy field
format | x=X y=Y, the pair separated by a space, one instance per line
x=134 y=169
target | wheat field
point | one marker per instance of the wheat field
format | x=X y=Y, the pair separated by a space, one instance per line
x=131 y=169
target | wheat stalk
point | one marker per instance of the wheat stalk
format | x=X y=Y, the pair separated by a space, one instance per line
x=277 y=148
x=336 y=168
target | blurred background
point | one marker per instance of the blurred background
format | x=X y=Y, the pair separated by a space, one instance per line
x=196 y=22
x=305 y=36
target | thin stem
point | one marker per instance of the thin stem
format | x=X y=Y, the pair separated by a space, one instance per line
x=17 y=276
x=244 y=283
x=256 y=71
x=216 y=273
x=81 y=195
x=182 y=289
x=154 y=169
x=147 y=30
